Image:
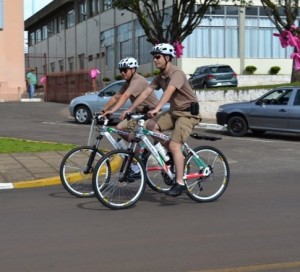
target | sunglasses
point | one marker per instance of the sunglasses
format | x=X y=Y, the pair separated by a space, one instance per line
x=123 y=70
x=157 y=57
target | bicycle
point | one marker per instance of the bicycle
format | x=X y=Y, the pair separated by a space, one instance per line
x=78 y=164
x=206 y=171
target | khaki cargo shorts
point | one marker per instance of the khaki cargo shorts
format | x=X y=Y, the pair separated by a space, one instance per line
x=128 y=125
x=181 y=122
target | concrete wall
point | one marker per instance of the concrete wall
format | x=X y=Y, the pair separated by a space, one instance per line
x=210 y=100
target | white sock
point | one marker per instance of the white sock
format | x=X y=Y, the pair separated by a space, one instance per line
x=135 y=168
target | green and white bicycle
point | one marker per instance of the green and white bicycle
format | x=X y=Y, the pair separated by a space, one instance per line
x=206 y=171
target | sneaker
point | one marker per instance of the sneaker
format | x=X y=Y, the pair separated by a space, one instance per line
x=133 y=175
x=176 y=190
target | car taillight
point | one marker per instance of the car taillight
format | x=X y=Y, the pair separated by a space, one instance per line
x=210 y=77
x=234 y=75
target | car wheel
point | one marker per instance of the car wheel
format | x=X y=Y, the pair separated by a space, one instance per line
x=82 y=115
x=237 y=126
x=205 y=85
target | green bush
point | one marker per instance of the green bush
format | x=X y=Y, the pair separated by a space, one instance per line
x=250 y=69
x=274 y=70
x=147 y=75
x=118 y=77
x=106 y=79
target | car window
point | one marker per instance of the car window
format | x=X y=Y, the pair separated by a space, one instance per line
x=205 y=70
x=278 y=97
x=297 y=99
x=198 y=70
x=113 y=89
x=221 y=69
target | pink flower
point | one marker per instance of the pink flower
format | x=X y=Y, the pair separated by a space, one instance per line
x=94 y=73
x=178 y=49
x=43 y=80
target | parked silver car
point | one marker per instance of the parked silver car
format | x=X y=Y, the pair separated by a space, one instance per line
x=277 y=110
x=83 y=107
x=210 y=76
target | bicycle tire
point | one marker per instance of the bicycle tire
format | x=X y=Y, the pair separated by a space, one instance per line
x=157 y=178
x=211 y=187
x=109 y=189
x=72 y=175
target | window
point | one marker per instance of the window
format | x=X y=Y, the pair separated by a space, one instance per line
x=32 y=38
x=83 y=11
x=38 y=35
x=216 y=36
x=61 y=65
x=71 y=64
x=143 y=46
x=70 y=18
x=94 y=7
x=52 y=66
x=107 y=4
x=125 y=40
x=81 y=58
x=107 y=42
x=259 y=39
x=44 y=32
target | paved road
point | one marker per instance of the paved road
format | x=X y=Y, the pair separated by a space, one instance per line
x=254 y=226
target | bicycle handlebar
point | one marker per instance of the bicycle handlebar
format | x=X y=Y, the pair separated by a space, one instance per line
x=204 y=137
x=136 y=116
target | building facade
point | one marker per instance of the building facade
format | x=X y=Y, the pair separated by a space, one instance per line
x=12 y=65
x=72 y=35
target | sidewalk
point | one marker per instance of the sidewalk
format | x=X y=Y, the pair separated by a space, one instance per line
x=21 y=170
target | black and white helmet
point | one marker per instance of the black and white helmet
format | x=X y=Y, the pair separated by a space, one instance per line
x=164 y=49
x=128 y=63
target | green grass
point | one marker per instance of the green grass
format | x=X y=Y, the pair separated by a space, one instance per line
x=13 y=145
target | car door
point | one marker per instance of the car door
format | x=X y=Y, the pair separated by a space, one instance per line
x=271 y=111
x=294 y=113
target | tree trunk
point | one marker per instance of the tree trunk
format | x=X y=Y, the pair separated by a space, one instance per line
x=295 y=74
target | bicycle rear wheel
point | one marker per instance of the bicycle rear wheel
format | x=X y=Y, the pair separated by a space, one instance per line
x=206 y=188
x=74 y=175
x=157 y=178
x=111 y=187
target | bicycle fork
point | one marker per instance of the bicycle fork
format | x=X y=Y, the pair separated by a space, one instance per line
x=89 y=167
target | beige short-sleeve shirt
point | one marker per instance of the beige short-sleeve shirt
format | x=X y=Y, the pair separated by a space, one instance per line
x=135 y=87
x=183 y=96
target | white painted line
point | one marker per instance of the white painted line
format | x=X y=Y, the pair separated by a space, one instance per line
x=6 y=186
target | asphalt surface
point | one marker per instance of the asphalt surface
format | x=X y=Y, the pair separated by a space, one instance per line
x=253 y=227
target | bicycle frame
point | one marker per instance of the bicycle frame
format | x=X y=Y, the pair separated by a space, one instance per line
x=105 y=131
x=142 y=134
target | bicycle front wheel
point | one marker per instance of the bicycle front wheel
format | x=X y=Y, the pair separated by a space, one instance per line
x=210 y=186
x=76 y=174
x=113 y=185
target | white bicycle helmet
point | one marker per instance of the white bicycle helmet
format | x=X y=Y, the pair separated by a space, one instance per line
x=164 y=49
x=128 y=63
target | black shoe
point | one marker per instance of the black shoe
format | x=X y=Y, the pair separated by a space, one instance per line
x=176 y=190
x=132 y=175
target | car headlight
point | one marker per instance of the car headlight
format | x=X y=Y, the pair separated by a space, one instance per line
x=220 y=109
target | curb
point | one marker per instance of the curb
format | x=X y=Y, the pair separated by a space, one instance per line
x=211 y=126
x=31 y=183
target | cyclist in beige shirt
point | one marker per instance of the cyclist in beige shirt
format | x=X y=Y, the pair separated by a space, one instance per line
x=134 y=85
x=184 y=108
